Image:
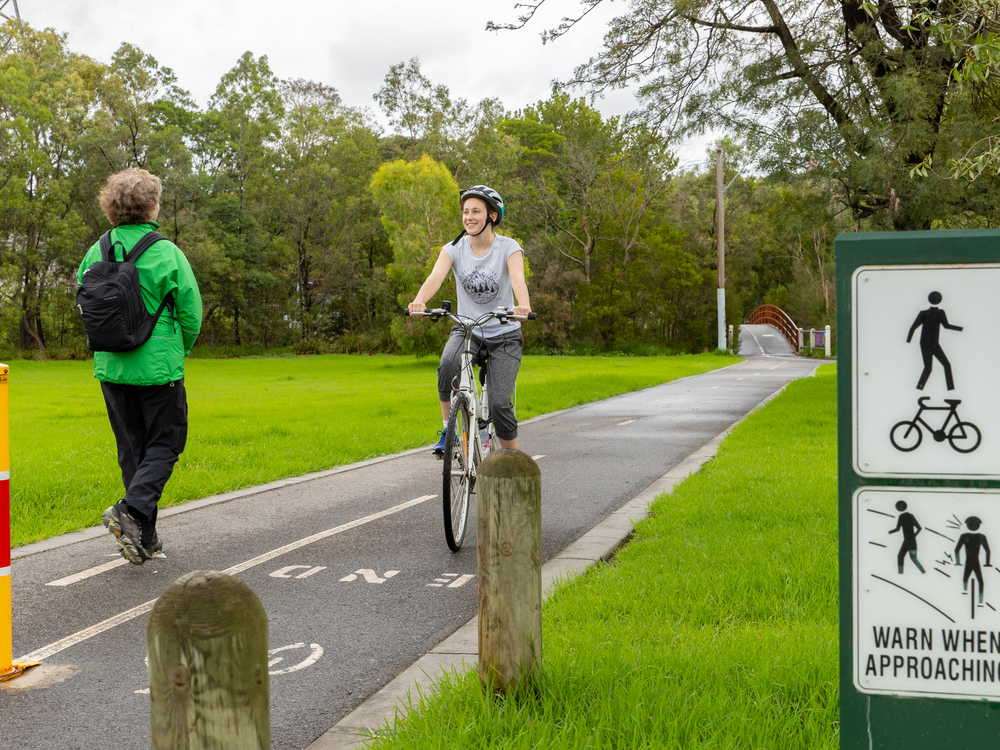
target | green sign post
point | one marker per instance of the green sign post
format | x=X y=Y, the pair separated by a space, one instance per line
x=918 y=324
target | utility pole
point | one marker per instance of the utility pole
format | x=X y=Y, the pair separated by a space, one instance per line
x=720 y=231
x=4 y=4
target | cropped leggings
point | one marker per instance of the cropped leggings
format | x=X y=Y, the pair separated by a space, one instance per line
x=504 y=355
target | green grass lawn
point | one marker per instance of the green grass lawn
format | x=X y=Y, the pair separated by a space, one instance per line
x=255 y=420
x=715 y=627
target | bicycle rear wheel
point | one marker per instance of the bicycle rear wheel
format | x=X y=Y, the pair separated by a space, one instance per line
x=459 y=455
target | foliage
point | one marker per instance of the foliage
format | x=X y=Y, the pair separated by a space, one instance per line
x=419 y=203
x=856 y=91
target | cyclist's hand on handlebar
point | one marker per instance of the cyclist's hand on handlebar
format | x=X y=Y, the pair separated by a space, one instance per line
x=416 y=307
x=521 y=310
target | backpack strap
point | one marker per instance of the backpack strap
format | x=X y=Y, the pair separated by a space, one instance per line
x=106 y=247
x=142 y=245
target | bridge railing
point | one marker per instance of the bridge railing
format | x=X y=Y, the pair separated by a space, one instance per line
x=775 y=316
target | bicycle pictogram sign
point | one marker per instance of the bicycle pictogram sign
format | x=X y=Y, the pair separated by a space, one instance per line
x=964 y=437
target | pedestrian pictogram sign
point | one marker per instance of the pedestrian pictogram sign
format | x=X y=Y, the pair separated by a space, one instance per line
x=926 y=394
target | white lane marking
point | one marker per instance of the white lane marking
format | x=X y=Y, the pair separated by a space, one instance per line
x=64 y=643
x=714 y=387
x=85 y=574
x=311 y=571
x=540 y=455
x=780 y=364
x=370 y=575
x=317 y=652
x=460 y=581
x=286 y=571
x=627 y=421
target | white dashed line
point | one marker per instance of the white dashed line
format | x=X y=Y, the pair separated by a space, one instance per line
x=85 y=574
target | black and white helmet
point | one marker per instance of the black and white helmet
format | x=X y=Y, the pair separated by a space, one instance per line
x=493 y=200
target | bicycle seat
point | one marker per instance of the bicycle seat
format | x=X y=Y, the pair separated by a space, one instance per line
x=953 y=401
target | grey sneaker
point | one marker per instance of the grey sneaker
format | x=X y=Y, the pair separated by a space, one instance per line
x=128 y=533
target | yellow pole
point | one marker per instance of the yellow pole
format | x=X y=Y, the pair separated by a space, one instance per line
x=6 y=636
x=9 y=668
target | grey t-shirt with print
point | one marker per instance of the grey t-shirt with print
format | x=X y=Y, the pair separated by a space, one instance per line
x=484 y=282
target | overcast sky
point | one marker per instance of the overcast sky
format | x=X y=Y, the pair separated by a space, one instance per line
x=347 y=44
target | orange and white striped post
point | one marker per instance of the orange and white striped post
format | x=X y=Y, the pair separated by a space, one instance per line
x=6 y=634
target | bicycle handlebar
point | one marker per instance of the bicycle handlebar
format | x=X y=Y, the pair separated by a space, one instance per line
x=501 y=313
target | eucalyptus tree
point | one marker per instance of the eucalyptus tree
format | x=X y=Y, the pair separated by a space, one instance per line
x=326 y=157
x=420 y=213
x=46 y=105
x=235 y=143
x=858 y=91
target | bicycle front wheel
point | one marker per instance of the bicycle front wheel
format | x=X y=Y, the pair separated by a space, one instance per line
x=459 y=455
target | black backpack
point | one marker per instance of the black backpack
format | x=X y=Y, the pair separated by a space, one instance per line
x=110 y=300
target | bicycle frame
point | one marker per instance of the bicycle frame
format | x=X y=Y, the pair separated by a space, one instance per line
x=468 y=383
x=952 y=410
x=468 y=416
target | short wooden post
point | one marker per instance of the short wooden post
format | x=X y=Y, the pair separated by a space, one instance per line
x=208 y=676
x=509 y=513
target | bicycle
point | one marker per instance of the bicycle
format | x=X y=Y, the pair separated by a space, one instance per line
x=964 y=437
x=468 y=419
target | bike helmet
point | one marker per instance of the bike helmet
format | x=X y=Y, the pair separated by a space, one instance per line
x=493 y=203
x=493 y=200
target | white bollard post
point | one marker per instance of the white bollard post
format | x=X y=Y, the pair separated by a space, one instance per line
x=826 y=340
x=812 y=339
x=800 y=339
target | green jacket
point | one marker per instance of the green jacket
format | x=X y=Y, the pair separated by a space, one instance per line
x=162 y=269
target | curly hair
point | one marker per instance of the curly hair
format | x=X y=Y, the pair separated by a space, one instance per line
x=131 y=196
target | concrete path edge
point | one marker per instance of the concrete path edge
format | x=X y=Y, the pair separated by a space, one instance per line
x=460 y=651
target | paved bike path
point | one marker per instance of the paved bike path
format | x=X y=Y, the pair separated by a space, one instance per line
x=351 y=567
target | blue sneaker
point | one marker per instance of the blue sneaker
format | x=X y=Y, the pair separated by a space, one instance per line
x=438 y=448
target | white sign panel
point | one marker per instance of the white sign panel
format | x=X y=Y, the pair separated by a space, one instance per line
x=927 y=592
x=927 y=371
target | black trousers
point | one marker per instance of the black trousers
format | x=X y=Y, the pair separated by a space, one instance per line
x=150 y=426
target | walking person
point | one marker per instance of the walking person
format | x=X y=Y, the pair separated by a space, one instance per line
x=908 y=524
x=930 y=322
x=143 y=387
x=489 y=270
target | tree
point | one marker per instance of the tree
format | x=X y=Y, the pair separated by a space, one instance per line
x=327 y=155
x=45 y=106
x=234 y=142
x=419 y=202
x=860 y=89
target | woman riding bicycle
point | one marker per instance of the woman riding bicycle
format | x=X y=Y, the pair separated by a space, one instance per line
x=489 y=271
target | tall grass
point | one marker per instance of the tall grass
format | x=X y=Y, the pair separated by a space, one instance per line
x=257 y=420
x=714 y=627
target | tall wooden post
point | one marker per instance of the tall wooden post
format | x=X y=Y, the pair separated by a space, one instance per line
x=208 y=676
x=509 y=513
x=720 y=232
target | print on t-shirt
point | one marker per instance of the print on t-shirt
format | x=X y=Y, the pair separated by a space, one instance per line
x=481 y=285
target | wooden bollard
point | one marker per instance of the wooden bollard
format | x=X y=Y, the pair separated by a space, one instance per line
x=509 y=538
x=208 y=675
